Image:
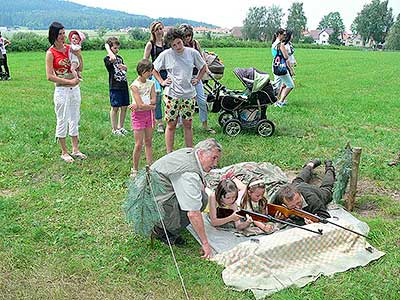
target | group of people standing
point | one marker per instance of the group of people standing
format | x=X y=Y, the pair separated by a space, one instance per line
x=172 y=76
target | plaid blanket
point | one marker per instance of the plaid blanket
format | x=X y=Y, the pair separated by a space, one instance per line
x=269 y=263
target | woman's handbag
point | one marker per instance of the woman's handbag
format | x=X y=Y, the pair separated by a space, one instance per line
x=279 y=65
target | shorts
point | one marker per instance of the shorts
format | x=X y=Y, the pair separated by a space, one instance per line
x=286 y=80
x=119 y=98
x=175 y=107
x=142 y=119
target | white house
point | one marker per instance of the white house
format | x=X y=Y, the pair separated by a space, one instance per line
x=320 y=37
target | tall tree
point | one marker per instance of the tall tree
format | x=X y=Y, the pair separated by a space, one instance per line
x=297 y=20
x=274 y=21
x=393 y=37
x=373 y=21
x=253 y=24
x=334 y=21
x=261 y=22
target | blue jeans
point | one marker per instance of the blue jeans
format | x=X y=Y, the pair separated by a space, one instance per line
x=158 y=113
x=201 y=101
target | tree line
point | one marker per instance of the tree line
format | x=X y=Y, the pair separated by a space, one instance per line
x=38 y=14
x=375 y=22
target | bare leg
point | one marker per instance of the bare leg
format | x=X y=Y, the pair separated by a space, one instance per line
x=122 y=115
x=188 y=132
x=114 y=117
x=138 y=148
x=63 y=145
x=285 y=93
x=170 y=134
x=148 y=137
x=75 y=143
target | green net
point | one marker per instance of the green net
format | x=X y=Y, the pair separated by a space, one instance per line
x=140 y=206
x=342 y=165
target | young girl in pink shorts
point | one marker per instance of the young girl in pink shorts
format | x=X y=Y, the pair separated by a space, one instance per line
x=142 y=116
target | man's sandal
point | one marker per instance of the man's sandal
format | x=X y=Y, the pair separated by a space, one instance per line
x=79 y=155
x=67 y=158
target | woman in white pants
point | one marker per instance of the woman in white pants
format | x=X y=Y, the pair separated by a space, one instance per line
x=67 y=96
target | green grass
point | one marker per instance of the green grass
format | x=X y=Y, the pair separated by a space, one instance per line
x=62 y=228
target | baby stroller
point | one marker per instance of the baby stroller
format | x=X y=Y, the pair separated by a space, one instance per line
x=243 y=109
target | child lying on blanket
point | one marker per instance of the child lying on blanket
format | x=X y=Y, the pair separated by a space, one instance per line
x=253 y=199
x=231 y=193
x=226 y=196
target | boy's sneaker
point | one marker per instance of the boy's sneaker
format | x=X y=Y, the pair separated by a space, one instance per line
x=117 y=132
x=160 y=128
x=123 y=131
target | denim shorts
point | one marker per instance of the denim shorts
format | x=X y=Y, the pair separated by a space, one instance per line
x=119 y=98
x=287 y=80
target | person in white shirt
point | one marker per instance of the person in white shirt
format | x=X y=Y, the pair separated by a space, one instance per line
x=180 y=93
x=3 y=58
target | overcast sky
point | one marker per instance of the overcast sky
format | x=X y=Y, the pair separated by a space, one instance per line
x=231 y=13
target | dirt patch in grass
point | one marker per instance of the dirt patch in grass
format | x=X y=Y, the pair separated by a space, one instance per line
x=7 y=193
x=369 y=187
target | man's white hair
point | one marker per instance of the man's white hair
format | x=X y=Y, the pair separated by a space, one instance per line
x=208 y=145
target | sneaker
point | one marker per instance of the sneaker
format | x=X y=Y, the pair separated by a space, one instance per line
x=160 y=128
x=117 y=132
x=133 y=173
x=123 y=131
x=278 y=104
x=283 y=103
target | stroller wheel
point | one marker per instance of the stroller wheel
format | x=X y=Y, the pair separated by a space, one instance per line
x=225 y=116
x=232 y=127
x=265 y=128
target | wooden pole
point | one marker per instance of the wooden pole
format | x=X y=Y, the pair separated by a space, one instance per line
x=355 y=163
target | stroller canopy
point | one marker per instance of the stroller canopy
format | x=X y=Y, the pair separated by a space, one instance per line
x=252 y=78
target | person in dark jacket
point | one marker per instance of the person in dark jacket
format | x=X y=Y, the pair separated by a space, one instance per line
x=302 y=195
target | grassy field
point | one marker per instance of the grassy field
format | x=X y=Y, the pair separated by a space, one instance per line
x=62 y=228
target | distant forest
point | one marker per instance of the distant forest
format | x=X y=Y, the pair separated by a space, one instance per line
x=38 y=14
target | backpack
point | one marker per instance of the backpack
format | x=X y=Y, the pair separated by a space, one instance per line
x=279 y=64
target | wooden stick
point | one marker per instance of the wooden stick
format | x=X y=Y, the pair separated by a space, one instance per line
x=355 y=163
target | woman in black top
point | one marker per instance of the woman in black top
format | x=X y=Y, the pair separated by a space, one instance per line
x=153 y=49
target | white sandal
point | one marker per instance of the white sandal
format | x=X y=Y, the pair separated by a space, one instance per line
x=67 y=158
x=133 y=173
x=79 y=155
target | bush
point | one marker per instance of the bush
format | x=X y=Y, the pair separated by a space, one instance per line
x=28 y=41
x=308 y=40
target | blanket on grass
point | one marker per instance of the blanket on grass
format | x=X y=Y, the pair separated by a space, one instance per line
x=266 y=264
